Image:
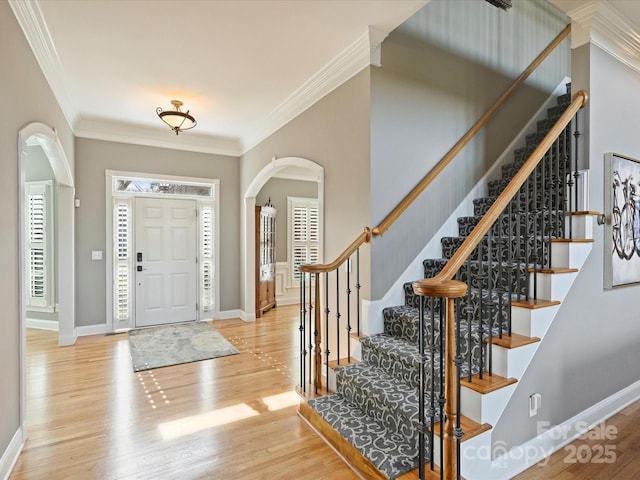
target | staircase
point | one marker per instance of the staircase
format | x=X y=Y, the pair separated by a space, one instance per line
x=374 y=411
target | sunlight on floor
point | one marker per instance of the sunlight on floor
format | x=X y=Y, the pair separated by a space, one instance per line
x=197 y=423
x=224 y=416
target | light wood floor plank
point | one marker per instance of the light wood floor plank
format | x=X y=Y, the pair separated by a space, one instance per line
x=91 y=417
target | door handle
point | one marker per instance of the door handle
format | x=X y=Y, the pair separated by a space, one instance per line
x=139 y=268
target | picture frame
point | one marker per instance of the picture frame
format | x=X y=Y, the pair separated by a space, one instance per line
x=622 y=229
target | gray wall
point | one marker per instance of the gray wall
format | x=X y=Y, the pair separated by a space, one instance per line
x=440 y=72
x=334 y=133
x=26 y=94
x=278 y=189
x=591 y=350
x=96 y=156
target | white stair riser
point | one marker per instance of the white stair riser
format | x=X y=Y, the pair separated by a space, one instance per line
x=484 y=408
x=470 y=450
x=532 y=322
x=512 y=362
x=551 y=286
x=582 y=226
x=569 y=255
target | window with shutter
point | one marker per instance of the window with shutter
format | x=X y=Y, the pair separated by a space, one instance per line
x=122 y=242
x=206 y=256
x=39 y=247
x=304 y=238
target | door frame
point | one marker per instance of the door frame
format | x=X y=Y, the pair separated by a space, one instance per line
x=109 y=205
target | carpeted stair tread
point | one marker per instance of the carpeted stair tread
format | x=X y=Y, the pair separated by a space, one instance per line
x=380 y=395
x=391 y=453
x=396 y=356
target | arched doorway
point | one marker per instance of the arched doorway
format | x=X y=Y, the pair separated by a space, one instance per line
x=44 y=136
x=277 y=167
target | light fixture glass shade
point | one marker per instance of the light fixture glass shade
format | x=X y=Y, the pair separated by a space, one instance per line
x=176 y=119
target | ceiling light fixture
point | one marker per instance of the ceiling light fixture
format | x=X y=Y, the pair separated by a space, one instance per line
x=176 y=119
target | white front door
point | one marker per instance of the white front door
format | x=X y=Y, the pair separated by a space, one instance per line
x=165 y=261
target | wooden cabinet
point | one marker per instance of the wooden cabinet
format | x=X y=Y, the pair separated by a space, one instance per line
x=265 y=258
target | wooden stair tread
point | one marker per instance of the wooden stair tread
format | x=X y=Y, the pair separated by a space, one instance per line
x=333 y=364
x=572 y=240
x=533 y=304
x=428 y=474
x=583 y=212
x=311 y=392
x=470 y=428
x=514 y=340
x=488 y=383
x=358 y=336
x=554 y=271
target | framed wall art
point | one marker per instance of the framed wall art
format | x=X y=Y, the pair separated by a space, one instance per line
x=622 y=208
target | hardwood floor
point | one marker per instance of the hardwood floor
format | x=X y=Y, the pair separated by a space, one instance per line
x=91 y=417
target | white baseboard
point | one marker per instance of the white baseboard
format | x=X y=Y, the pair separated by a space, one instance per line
x=227 y=314
x=520 y=458
x=87 y=330
x=67 y=340
x=40 y=324
x=11 y=454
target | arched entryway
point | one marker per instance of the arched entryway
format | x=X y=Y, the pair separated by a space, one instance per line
x=37 y=133
x=277 y=167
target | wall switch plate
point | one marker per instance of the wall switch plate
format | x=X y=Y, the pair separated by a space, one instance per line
x=535 y=402
x=96 y=255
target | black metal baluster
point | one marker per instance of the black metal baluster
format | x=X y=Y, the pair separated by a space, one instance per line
x=326 y=326
x=432 y=371
x=469 y=317
x=358 y=289
x=534 y=257
x=441 y=399
x=490 y=301
x=558 y=185
x=510 y=264
x=527 y=219
x=349 y=310
x=576 y=172
x=458 y=365
x=302 y=277
x=338 y=315
x=312 y=329
x=480 y=309
x=421 y=386
x=570 y=183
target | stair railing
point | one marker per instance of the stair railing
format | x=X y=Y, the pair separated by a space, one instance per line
x=546 y=183
x=311 y=294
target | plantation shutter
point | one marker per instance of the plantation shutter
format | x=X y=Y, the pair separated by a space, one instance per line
x=304 y=224
x=206 y=257
x=123 y=260
x=39 y=271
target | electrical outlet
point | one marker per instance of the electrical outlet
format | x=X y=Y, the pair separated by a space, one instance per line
x=535 y=403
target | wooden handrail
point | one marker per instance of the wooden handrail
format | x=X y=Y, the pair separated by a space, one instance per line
x=466 y=138
x=365 y=236
x=425 y=287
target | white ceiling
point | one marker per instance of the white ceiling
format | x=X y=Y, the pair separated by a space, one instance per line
x=242 y=67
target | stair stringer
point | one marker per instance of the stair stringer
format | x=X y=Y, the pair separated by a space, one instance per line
x=372 y=318
x=477 y=457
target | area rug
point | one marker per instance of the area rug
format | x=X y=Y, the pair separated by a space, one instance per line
x=155 y=347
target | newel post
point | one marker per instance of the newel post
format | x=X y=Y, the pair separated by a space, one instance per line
x=449 y=290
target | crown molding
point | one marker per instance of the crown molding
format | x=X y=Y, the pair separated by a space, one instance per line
x=360 y=54
x=601 y=24
x=35 y=29
x=98 y=129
